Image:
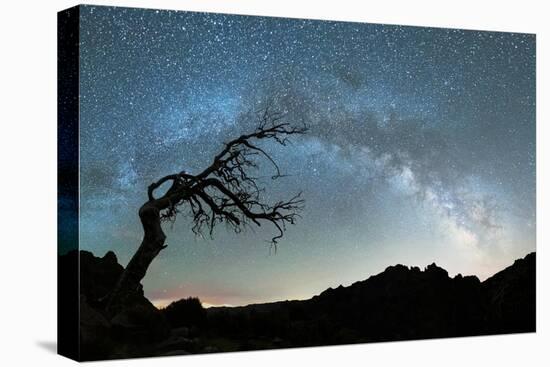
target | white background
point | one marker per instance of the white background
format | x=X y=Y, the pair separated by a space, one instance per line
x=28 y=183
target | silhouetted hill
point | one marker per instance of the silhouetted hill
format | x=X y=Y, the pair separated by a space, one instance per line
x=511 y=297
x=401 y=303
x=133 y=332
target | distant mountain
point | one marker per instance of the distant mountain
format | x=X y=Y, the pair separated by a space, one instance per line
x=401 y=303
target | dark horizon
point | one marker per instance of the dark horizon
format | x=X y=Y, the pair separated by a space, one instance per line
x=401 y=303
x=422 y=268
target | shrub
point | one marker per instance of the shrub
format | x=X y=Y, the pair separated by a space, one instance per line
x=185 y=312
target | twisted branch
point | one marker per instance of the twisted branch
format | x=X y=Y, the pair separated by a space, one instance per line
x=225 y=191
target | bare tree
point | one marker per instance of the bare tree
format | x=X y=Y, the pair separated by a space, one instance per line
x=224 y=192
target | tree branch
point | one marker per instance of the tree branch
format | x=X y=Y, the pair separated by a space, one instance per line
x=227 y=189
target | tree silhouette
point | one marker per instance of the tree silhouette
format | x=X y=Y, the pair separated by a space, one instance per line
x=224 y=192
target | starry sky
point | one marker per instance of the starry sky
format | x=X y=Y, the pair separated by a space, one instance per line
x=421 y=146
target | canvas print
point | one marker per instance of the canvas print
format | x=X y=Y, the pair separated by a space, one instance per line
x=235 y=183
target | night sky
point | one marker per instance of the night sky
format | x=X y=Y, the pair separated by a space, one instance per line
x=421 y=146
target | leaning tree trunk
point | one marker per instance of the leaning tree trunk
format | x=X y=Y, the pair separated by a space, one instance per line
x=152 y=243
x=231 y=204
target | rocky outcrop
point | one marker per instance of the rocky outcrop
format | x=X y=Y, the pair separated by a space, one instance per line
x=511 y=294
x=401 y=303
x=132 y=332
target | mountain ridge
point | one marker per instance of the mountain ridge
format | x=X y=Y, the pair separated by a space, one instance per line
x=400 y=303
x=405 y=303
x=430 y=267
